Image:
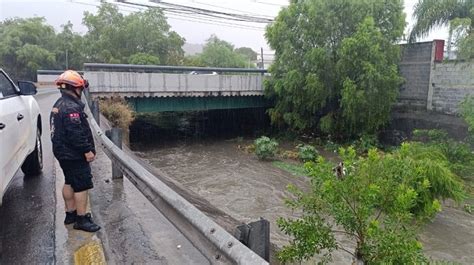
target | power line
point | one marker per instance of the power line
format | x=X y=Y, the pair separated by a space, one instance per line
x=180 y=16
x=232 y=9
x=270 y=4
x=209 y=12
x=204 y=21
x=197 y=18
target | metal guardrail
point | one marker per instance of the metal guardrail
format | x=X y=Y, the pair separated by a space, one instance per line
x=165 y=68
x=216 y=244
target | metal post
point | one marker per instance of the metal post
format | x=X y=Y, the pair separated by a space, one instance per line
x=256 y=236
x=115 y=135
x=95 y=111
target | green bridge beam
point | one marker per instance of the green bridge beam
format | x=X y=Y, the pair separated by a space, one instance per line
x=162 y=104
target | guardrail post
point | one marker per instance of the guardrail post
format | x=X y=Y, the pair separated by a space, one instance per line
x=115 y=135
x=95 y=110
x=256 y=236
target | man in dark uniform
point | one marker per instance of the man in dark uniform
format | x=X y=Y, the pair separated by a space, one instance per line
x=73 y=147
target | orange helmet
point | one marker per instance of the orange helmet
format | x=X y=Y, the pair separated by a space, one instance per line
x=71 y=78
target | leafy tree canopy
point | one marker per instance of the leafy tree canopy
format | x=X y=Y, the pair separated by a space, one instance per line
x=25 y=46
x=219 y=53
x=113 y=37
x=247 y=53
x=335 y=66
x=457 y=14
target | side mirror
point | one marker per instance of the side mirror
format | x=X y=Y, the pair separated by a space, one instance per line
x=27 y=88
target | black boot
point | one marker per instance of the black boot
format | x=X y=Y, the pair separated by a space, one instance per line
x=85 y=223
x=70 y=217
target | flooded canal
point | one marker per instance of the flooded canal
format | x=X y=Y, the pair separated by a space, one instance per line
x=207 y=159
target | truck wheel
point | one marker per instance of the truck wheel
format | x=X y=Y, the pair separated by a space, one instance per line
x=34 y=162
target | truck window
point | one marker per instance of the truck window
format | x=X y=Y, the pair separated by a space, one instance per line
x=6 y=87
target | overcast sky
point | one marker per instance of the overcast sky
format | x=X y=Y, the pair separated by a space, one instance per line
x=59 y=12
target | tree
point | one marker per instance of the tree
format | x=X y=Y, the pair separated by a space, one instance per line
x=457 y=14
x=219 y=53
x=69 y=48
x=26 y=45
x=193 y=60
x=368 y=72
x=143 y=59
x=114 y=38
x=247 y=53
x=313 y=64
x=379 y=203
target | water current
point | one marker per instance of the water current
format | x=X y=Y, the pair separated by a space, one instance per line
x=202 y=151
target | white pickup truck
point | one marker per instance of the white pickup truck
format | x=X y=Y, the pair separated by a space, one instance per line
x=20 y=131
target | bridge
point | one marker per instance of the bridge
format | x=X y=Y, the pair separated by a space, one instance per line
x=217 y=237
x=170 y=88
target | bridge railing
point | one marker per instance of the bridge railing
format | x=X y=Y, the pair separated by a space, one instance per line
x=124 y=80
x=215 y=243
x=166 y=68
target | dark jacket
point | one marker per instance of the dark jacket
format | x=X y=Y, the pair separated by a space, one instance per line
x=70 y=131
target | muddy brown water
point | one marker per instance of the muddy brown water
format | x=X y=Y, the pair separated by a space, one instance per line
x=247 y=189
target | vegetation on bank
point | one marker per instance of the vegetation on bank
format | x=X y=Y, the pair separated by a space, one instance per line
x=335 y=68
x=117 y=111
x=380 y=201
x=335 y=75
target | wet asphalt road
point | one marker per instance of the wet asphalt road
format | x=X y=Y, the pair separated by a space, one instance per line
x=27 y=225
x=133 y=232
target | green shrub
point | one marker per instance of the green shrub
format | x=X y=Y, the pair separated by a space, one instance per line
x=459 y=154
x=365 y=143
x=265 y=148
x=307 y=152
x=380 y=202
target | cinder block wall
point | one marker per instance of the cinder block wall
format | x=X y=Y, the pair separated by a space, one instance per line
x=452 y=82
x=415 y=67
x=429 y=85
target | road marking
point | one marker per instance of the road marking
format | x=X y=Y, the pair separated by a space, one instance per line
x=90 y=253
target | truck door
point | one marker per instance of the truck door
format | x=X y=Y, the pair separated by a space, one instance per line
x=12 y=143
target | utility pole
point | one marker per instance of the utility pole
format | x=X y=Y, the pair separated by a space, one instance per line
x=261 y=55
x=67 y=62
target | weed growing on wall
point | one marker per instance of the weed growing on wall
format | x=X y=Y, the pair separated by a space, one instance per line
x=117 y=111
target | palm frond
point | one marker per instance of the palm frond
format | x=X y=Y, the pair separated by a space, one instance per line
x=430 y=14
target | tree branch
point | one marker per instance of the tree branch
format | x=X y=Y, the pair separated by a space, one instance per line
x=341 y=248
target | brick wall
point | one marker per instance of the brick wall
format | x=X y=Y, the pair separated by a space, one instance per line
x=451 y=83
